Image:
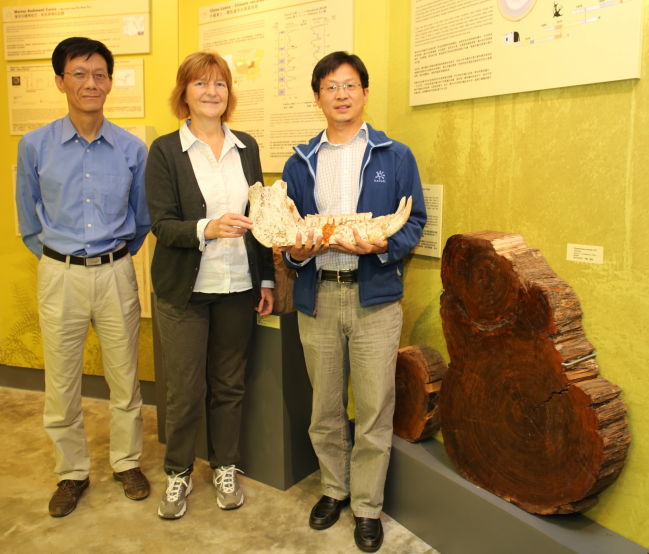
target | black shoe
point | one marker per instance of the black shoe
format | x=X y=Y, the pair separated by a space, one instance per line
x=368 y=534
x=326 y=512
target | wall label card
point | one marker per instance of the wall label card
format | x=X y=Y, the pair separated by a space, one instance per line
x=14 y=175
x=32 y=32
x=142 y=265
x=585 y=253
x=34 y=99
x=463 y=49
x=272 y=47
x=430 y=243
x=268 y=321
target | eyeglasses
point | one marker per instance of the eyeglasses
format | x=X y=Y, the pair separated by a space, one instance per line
x=333 y=88
x=83 y=77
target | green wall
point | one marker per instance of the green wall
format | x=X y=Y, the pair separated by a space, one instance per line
x=557 y=166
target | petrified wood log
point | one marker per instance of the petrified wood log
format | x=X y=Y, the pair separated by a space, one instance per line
x=277 y=221
x=418 y=379
x=283 y=291
x=519 y=417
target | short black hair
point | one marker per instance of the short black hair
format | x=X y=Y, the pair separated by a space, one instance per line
x=75 y=47
x=331 y=62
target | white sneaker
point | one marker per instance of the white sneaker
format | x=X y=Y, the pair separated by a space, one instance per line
x=228 y=492
x=174 y=504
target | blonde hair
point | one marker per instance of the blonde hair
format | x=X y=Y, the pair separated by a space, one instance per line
x=196 y=66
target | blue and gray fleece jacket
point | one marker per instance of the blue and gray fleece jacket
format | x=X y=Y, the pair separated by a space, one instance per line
x=388 y=173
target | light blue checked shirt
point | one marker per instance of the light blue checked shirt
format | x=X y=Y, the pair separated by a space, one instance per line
x=337 y=184
x=80 y=198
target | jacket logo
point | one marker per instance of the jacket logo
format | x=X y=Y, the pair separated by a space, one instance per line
x=379 y=177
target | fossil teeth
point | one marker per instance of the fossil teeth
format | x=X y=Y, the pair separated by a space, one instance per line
x=277 y=221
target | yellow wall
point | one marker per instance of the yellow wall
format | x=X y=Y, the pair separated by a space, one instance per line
x=557 y=166
x=19 y=330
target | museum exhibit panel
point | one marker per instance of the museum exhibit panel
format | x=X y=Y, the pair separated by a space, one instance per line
x=521 y=395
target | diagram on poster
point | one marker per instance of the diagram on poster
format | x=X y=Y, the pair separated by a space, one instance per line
x=473 y=48
x=34 y=99
x=515 y=10
x=272 y=47
x=32 y=32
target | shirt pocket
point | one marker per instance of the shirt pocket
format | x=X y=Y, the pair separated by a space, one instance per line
x=114 y=194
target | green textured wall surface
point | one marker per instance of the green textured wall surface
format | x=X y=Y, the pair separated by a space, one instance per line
x=557 y=166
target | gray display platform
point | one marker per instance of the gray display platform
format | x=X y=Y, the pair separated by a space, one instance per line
x=425 y=493
x=275 y=446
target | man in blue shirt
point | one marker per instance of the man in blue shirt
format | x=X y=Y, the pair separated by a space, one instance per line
x=82 y=211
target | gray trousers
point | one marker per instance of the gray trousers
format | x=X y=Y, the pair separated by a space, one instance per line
x=345 y=338
x=208 y=341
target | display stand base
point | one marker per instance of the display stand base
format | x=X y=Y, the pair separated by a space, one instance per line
x=425 y=493
x=275 y=447
x=275 y=444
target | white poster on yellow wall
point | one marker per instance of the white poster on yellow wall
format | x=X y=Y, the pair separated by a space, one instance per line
x=474 y=48
x=34 y=99
x=272 y=47
x=32 y=32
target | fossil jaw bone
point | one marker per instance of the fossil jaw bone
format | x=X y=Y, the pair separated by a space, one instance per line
x=277 y=221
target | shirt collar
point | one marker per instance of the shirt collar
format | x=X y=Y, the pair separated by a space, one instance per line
x=324 y=137
x=187 y=138
x=69 y=132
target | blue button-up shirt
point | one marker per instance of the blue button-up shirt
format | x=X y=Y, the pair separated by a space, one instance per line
x=80 y=198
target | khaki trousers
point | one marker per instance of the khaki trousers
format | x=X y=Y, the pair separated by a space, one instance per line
x=70 y=297
x=345 y=338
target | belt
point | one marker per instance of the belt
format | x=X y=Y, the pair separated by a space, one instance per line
x=81 y=260
x=340 y=276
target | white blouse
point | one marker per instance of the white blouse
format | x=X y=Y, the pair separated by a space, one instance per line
x=224 y=264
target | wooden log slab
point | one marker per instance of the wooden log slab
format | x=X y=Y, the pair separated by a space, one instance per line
x=283 y=291
x=515 y=420
x=418 y=380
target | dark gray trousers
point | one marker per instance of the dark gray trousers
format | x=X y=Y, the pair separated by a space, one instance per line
x=208 y=342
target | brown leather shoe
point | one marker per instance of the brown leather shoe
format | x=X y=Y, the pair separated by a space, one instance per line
x=136 y=485
x=65 y=498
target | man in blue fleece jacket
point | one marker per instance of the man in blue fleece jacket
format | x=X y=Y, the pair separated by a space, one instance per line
x=348 y=294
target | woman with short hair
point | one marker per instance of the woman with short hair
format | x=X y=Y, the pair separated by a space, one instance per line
x=208 y=272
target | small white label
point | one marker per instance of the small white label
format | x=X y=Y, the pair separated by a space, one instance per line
x=268 y=321
x=585 y=253
x=430 y=243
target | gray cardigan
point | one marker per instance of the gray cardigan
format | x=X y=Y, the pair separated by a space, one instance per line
x=176 y=204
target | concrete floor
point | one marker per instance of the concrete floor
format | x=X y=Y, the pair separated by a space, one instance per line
x=105 y=521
